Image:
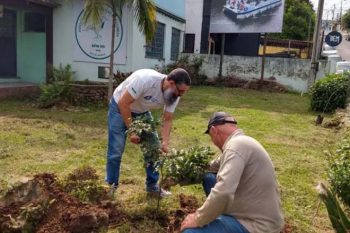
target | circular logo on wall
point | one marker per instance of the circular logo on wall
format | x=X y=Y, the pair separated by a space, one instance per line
x=333 y=38
x=95 y=40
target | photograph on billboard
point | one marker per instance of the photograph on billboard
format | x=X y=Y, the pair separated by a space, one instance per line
x=246 y=16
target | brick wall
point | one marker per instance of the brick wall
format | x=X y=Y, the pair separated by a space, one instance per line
x=19 y=92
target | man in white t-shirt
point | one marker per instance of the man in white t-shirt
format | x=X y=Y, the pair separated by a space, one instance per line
x=143 y=90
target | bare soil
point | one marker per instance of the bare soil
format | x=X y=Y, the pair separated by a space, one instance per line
x=43 y=205
x=340 y=120
x=270 y=84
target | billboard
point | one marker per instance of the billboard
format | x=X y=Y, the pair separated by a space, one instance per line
x=246 y=16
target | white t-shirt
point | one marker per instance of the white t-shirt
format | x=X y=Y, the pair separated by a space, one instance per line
x=145 y=86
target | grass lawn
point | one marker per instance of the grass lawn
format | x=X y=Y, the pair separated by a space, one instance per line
x=34 y=141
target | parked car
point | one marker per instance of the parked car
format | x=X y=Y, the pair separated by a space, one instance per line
x=342 y=66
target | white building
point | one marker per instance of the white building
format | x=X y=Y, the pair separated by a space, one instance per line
x=74 y=43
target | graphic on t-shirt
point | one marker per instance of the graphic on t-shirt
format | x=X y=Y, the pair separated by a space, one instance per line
x=133 y=90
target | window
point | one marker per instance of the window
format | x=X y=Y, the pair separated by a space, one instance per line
x=156 y=47
x=189 y=43
x=34 y=22
x=175 y=44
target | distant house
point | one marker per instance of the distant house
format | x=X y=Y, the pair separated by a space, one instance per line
x=35 y=34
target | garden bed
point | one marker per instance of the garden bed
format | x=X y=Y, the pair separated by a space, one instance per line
x=43 y=205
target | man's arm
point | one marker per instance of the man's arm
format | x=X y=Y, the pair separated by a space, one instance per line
x=222 y=194
x=166 y=127
x=124 y=106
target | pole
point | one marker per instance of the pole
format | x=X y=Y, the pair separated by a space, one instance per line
x=316 y=40
x=263 y=58
x=333 y=12
x=340 y=16
x=308 y=38
x=222 y=53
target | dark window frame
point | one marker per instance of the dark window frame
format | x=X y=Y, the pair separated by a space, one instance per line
x=34 y=22
x=189 y=43
x=155 y=49
x=175 y=50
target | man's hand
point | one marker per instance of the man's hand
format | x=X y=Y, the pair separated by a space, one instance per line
x=165 y=147
x=134 y=139
x=189 y=222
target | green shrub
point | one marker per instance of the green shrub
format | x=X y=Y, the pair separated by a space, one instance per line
x=83 y=184
x=337 y=216
x=192 y=66
x=60 y=74
x=339 y=172
x=58 y=88
x=188 y=166
x=330 y=93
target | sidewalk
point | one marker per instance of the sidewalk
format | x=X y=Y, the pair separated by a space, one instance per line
x=344 y=48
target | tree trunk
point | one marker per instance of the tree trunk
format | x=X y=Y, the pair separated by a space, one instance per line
x=111 y=59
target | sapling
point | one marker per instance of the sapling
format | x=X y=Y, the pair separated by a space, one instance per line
x=145 y=126
x=187 y=166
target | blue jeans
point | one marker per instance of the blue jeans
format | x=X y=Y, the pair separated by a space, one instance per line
x=209 y=181
x=116 y=145
x=222 y=224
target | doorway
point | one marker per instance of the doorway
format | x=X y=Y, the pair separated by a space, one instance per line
x=8 y=48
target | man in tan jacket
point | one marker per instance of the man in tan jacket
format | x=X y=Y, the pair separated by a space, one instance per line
x=242 y=195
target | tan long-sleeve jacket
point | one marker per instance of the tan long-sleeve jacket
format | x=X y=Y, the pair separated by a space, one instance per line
x=246 y=187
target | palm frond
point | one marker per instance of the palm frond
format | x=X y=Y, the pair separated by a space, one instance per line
x=145 y=15
x=94 y=11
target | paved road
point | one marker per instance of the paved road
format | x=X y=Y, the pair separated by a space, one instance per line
x=344 y=49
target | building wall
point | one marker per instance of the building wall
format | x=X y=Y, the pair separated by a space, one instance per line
x=290 y=72
x=194 y=17
x=137 y=45
x=63 y=26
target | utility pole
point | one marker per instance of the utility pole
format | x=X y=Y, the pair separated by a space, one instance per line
x=333 y=12
x=222 y=52
x=341 y=14
x=315 y=46
x=263 y=59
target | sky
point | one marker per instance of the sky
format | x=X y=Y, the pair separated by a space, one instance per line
x=329 y=6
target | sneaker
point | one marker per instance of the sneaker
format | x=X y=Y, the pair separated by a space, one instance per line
x=154 y=191
x=112 y=190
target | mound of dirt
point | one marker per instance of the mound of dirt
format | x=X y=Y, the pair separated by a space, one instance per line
x=270 y=84
x=188 y=204
x=340 y=120
x=40 y=205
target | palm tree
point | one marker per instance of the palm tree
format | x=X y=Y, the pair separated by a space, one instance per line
x=145 y=16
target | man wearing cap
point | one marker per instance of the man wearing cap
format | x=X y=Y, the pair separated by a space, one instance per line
x=143 y=90
x=242 y=195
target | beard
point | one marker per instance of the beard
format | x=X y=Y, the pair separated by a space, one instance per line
x=169 y=97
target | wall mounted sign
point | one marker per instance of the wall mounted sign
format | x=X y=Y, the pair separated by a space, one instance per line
x=333 y=38
x=93 y=42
